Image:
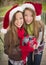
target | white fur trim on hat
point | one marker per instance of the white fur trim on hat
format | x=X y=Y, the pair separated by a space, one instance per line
x=27 y=5
x=38 y=18
x=4 y=31
x=14 y=11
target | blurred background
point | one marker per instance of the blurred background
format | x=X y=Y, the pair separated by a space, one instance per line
x=5 y=5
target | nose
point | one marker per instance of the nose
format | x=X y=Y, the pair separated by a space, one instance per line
x=28 y=18
x=18 y=21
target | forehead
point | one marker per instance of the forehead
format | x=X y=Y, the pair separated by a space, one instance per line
x=19 y=13
x=28 y=11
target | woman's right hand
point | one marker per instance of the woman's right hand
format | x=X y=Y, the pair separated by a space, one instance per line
x=34 y=46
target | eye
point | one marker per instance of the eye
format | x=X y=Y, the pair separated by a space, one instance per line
x=15 y=19
x=25 y=14
x=21 y=17
x=31 y=15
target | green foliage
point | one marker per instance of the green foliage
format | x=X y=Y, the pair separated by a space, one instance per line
x=1 y=2
x=44 y=6
x=1 y=49
x=3 y=10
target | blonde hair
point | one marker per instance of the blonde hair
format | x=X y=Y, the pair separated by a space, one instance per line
x=36 y=24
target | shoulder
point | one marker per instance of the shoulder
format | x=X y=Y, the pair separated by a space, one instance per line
x=41 y=23
x=7 y=34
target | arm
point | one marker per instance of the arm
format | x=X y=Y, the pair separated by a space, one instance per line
x=41 y=33
x=39 y=38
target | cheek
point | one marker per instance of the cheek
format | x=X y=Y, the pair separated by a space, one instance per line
x=31 y=19
x=25 y=18
x=16 y=23
x=22 y=21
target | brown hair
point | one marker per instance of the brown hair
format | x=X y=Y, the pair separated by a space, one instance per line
x=36 y=24
x=13 y=30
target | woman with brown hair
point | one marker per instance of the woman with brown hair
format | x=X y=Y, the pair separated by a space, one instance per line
x=11 y=40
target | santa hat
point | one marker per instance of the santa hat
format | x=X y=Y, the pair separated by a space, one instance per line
x=28 y=5
x=8 y=16
x=14 y=11
x=6 y=20
x=37 y=7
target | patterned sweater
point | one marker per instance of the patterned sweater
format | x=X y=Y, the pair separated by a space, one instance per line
x=40 y=43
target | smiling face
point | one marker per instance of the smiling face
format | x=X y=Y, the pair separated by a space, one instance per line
x=28 y=16
x=19 y=19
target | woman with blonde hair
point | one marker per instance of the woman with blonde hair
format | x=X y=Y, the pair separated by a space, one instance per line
x=35 y=27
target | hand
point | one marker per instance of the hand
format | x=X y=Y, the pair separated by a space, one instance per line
x=34 y=46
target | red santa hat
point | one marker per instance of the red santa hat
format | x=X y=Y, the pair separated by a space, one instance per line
x=37 y=7
x=8 y=17
x=28 y=5
x=14 y=11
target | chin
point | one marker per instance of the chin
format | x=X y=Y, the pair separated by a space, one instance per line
x=19 y=27
x=28 y=23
